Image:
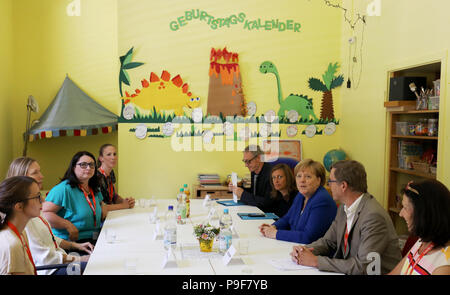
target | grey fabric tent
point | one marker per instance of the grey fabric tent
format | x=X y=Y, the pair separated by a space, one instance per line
x=73 y=113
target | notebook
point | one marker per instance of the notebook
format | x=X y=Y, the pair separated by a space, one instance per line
x=245 y=216
x=230 y=203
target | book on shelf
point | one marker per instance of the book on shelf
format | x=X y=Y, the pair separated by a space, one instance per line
x=209 y=179
x=408 y=152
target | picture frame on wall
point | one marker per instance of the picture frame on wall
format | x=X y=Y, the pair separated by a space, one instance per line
x=288 y=149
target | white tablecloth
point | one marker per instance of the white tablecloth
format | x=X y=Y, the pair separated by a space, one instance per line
x=135 y=245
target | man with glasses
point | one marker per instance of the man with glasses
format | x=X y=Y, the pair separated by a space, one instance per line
x=362 y=238
x=259 y=192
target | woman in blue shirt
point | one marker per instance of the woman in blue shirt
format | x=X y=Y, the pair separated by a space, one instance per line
x=74 y=207
x=313 y=209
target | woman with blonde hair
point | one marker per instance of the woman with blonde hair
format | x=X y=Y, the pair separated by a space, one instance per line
x=313 y=209
x=46 y=247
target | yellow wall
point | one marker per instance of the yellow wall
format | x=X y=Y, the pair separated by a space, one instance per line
x=6 y=70
x=407 y=32
x=150 y=167
x=48 y=44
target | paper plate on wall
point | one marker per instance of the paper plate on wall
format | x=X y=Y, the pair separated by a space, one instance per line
x=167 y=129
x=129 y=112
x=228 y=129
x=208 y=136
x=330 y=128
x=251 y=108
x=269 y=116
x=291 y=130
x=292 y=115
x=197 y=115
x=265 y=130
x=310 y=131
x=141 y=131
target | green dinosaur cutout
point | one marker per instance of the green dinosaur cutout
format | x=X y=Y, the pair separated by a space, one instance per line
x=300 y=103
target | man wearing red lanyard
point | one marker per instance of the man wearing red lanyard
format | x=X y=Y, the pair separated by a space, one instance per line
x=361 y=227
x=74 y=207
x=19 y=202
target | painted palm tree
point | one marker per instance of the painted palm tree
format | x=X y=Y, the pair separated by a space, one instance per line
x=330 y=81
x=126 y=64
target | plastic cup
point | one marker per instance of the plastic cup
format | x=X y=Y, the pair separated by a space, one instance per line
x=110 y=236
x=243 y=247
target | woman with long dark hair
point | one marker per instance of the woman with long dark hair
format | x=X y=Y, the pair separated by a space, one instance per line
x=74 y=207
x=426 y=210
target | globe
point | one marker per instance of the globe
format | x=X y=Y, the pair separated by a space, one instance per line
x=332 y=157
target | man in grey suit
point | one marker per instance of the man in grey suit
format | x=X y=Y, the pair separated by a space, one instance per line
x=362 y=238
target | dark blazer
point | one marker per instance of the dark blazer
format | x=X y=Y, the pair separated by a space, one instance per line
x=280 y=206
x=262 y=197
x=310 y=225
x=372 y=233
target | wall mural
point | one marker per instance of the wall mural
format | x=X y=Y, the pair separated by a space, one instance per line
x=166 y=102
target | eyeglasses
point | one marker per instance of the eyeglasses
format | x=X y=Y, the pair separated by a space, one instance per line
x=246 y=162
x=277 y=177
x=330 y=181
x=36 y=197
x=84 y=165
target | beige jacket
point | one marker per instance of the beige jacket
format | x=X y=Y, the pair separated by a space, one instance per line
x=372 y=231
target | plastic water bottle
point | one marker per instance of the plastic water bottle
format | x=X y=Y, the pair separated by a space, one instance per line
x=170 y=230
x=225 y=236
x=188 y=201
x=181 y=207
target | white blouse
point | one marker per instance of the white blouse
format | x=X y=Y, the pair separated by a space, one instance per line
x=42 y=246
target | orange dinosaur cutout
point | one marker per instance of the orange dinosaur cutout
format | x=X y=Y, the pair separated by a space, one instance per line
x=163 y=94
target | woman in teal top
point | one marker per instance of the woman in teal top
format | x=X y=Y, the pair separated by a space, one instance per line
x=74 y=207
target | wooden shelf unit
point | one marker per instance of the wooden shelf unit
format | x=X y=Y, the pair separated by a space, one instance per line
x=400 y=111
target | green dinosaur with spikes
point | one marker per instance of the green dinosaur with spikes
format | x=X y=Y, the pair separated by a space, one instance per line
x=300 y=103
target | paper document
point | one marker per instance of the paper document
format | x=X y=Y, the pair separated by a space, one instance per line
x=287 y=264
x=234 y=182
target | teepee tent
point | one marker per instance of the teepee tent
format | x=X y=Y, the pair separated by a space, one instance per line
x=73 y=113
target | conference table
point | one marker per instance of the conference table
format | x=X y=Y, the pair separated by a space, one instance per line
x=136 y=250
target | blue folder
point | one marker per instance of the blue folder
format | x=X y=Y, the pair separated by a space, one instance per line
x=245 y=216
x=230 y=203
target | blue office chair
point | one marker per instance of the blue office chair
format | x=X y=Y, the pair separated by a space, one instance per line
x=288 y=161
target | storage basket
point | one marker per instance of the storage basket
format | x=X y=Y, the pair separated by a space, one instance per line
x=421 y=167
x=401 y=128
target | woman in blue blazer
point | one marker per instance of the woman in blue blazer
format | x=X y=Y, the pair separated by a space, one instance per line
x=313 y=209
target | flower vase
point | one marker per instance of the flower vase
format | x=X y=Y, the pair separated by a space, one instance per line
x=205 y=245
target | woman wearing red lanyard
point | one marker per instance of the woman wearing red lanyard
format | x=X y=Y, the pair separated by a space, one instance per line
x=107 y=160
x=45 y=246
x=20 y=200
x=74 y=207
x=426 y=207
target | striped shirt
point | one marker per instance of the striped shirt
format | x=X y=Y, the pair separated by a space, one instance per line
x=428 y=263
